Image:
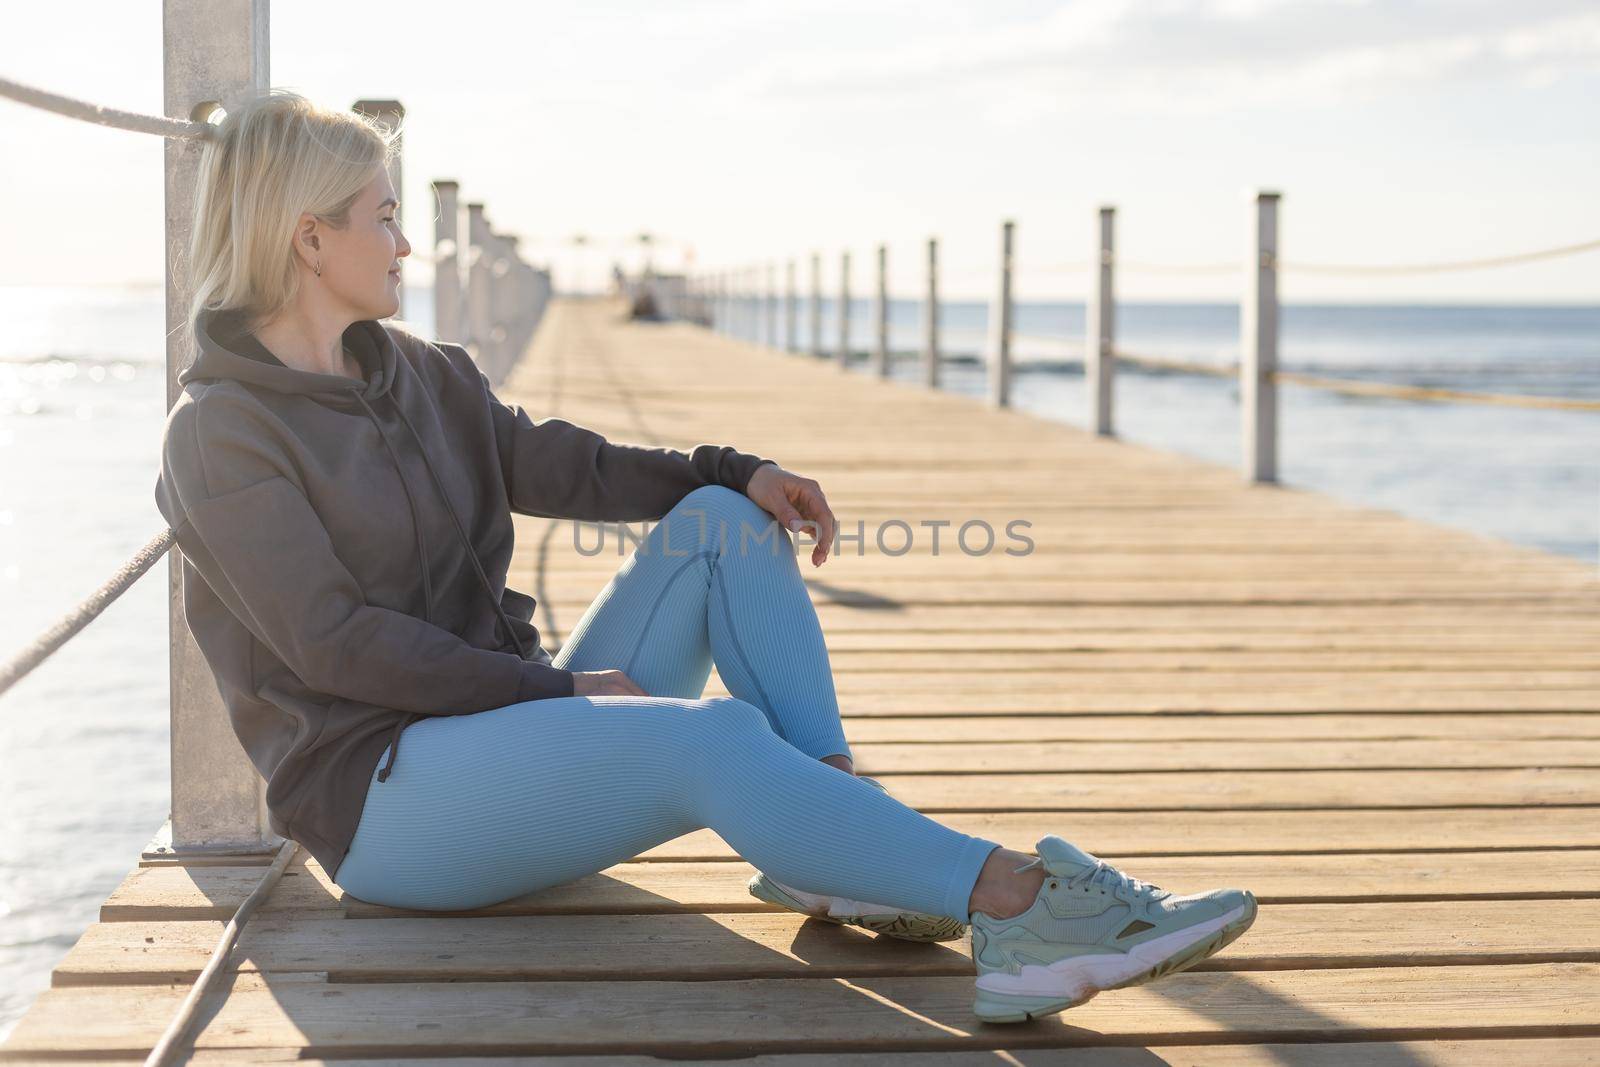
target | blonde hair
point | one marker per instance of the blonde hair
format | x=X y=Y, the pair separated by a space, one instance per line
x=272 y=158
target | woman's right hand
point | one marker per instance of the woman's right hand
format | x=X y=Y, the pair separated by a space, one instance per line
x=604 y=684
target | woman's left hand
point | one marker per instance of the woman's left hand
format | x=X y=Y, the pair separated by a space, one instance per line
x=795 y=502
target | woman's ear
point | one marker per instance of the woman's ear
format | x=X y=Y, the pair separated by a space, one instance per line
x=306 y=239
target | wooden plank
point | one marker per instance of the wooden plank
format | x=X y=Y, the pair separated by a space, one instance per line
x=663 y=886
x=1374 y=726
x=975 y=673
x=1201 y=791
x=1545 y=1052
x=1018 y=752
x=1579 y=662
x=966 y=695
x=1214 y=833
x=623 y=948
x=1032 y=590
x=1210 y=624
x=1156 y=640
x=747 y=1016
x=1047 y=561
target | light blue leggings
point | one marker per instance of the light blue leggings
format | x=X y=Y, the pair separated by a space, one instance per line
x=493 y=805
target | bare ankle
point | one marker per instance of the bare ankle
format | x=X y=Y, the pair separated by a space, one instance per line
x=1001 y=892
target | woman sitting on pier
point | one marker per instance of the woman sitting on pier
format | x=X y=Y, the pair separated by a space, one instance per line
x=342 y=491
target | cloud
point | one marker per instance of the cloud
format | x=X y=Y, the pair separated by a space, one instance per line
x=1197 y=55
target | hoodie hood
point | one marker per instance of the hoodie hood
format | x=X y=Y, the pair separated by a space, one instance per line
x=227 y=349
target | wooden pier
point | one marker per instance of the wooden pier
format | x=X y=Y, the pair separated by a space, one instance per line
x=1390 y=731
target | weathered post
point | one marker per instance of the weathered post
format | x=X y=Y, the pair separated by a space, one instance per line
x=1258 y=338
x=930 y=319
x=480 y=264
x=1000 y=326
x=816 y=305
x=791 y=328
x=770 y=304
x=880 y=347
x=843 y=353
x=1099 y=365
x=500 y=307
x=447 y=262
x=215 y=55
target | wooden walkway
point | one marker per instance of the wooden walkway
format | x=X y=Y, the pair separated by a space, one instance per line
x=1388 y=730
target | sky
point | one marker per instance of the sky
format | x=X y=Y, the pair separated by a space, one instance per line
x=742 y=134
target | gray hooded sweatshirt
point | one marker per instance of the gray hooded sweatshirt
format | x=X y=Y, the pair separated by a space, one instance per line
x=345 y=546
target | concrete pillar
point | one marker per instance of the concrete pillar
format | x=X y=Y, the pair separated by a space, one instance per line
x=479 y=265
x=1258 y=337
x=769 y=304
x=930 y=319
x=1099 y=365
x=816 y=305
x=215 y=54
x=843 y=353
x=791 y=328
x=880 y=347
x=1000 y=326
x=447 y=290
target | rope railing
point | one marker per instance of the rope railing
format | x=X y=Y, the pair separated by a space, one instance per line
x=1429 y=268
x=35 y=652
x=41 y=647
x=103 y=116
x=1352 y=269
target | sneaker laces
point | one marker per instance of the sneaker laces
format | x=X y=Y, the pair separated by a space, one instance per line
x=1102 y=874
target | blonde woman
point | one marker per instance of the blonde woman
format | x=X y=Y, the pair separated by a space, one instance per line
x=342 y=492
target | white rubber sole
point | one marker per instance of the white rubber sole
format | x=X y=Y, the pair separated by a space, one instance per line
x=1042 y=990
x=878 y=918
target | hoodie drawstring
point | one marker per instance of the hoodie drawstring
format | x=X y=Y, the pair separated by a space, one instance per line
x=477 y=565
x=422 y=554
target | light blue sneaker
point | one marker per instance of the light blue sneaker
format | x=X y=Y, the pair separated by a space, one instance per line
x=1093 y=928
x=879 y=918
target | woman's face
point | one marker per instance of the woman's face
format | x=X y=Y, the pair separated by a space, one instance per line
x=361 y=262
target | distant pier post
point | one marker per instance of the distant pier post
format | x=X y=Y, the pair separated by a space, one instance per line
x=446 y=262
x=1099 y=365
x=880 y=347
x=752 y=304
x=501 y=307
x=390 y=114
x=843 y=354
x=930 y=319
x=1000 y=326
x=816 y=305
x=736 y=306
x=479 y=265
x=214 y=55
x=772 y=305
x=1258 y=337
x=751 y=291
x=791 y=328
